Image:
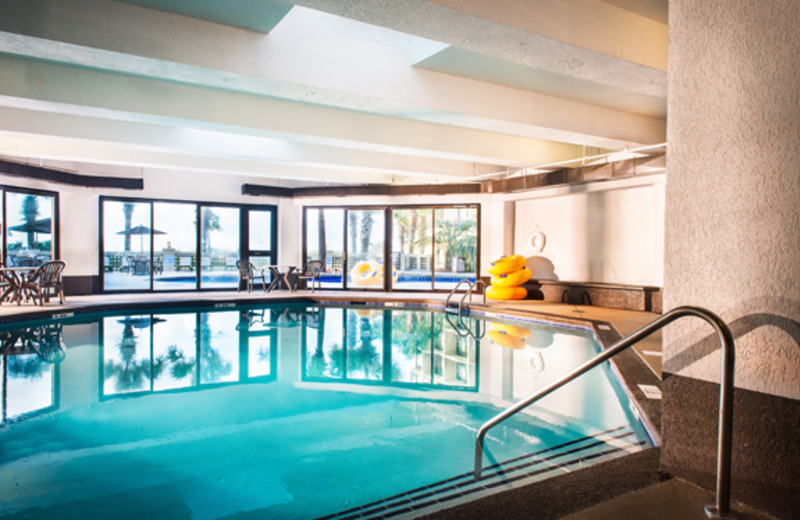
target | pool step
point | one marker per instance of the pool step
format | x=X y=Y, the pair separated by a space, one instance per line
x=495 y=478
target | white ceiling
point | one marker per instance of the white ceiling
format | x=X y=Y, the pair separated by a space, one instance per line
x=323 y=92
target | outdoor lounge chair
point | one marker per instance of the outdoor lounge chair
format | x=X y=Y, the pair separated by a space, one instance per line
x=249 y=274
x=44 y=281
x=312 y=272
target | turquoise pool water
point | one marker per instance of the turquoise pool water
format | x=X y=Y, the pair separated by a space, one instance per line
x=285 y=411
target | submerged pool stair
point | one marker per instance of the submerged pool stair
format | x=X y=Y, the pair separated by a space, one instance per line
x=509 y=474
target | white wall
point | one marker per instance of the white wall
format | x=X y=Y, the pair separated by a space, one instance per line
x=80 y=213
x=603 y=232
x=610 y=232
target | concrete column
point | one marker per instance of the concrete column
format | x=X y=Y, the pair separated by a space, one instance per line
x=732 y=241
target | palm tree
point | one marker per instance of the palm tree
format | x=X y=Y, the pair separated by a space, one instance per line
x=210 y=223
x=366 y=232
x=456 y=240
x=30 y=212
x=353 y=229
x=127 y=211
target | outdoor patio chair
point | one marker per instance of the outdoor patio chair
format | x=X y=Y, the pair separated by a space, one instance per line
x=312 y=271
x=44 y=281
x=249 y=274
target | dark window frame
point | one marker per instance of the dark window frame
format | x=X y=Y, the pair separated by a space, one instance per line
x=388 y=237
x=244 y=250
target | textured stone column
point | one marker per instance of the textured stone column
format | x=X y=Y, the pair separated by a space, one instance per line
x=733 y=241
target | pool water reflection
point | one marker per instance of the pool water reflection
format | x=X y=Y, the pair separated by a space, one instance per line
x=279 y=411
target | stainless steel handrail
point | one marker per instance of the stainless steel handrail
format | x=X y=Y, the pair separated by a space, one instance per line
x=452 y=292
x=472 y=285
x=721 y=508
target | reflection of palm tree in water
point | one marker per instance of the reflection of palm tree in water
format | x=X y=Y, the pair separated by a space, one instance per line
x=27 y=367
x=214 y=367
x=317 y=364
x=364 y=356
x=129 y=373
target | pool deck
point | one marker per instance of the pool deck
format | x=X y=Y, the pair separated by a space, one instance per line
x=667 y=500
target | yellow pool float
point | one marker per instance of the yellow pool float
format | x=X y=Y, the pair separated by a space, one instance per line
x=513 y=330
x=507 y=264
x=370 y=273
x=364 y=273
x=506 y=293
x=517 y=277
x=506 y=340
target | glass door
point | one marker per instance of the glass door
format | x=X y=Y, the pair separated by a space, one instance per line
x=126 y=245
x=174 y=246
x=455 y=246
x=324 y=240
x=412 y=248
x=261 y=233
x=364 y=265
x=219 y=246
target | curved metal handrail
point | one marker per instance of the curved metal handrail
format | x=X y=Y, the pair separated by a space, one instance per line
x=472 y=285
x=721 y=508
x=452 y=292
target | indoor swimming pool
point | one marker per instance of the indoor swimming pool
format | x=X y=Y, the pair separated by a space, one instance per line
x=290 y=411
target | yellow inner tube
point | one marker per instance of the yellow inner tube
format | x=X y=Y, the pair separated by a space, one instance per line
x=514 y=278
x=507 y=264
x=506 y=293
x=364 y=273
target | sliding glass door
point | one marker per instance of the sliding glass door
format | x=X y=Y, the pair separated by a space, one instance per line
x=220 y=240
x=324 y=240
x=126 y=243
x=29 y=228
x=431 y=248
x=412 y=248
x=172 y=246
x=364 y=263
x=455 y=246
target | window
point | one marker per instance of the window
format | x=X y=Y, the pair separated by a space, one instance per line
x=29 y=217
x=429 y=248
x=171 y=246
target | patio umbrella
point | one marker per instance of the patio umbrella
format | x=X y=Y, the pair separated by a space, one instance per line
x=42 y=225
x=39 y=226
x=141 y=231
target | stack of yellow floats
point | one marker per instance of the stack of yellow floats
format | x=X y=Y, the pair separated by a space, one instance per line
x=508 y=273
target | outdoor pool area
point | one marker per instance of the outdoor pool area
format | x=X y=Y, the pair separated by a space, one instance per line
x=293 y=410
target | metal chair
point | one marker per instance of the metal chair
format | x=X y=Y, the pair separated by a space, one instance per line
x=44 y=281
x=248 y=274
x=312 y=271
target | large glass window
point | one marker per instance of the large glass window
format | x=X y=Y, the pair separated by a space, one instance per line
x=324 y=241
x=126 y=245
x=29 y=226
x=174 y=246
x=365 y=239
x=163 y=245
x=456 y=246
x=431 y=248
x=261 y=228
x=220 y=246
x=412 y=248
